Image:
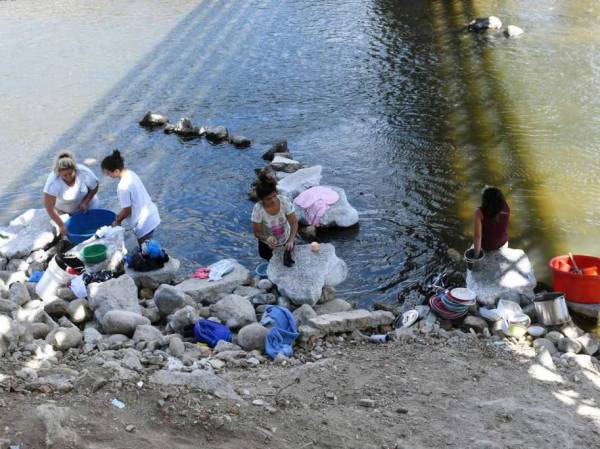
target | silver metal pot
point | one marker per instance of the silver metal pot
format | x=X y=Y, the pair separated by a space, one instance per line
x=551 y=308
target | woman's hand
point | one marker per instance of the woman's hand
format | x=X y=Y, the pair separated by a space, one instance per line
x=63 y=229
x=83 y=206
x=272 y=241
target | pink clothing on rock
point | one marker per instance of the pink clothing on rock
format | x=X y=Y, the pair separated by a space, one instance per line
x=315 y=202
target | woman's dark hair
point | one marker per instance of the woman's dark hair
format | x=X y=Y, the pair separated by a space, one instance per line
x=266 y=185
x=492 y=201
x=113 y=162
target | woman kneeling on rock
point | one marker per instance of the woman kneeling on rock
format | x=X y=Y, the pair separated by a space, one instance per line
x=490 y=221
x=273 y=220
x=70 y=188
x=137 y=209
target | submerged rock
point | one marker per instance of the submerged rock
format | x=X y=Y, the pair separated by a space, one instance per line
x=503 y=274
x=216 y=134
x=27 y=233
x=278 y=147
x=485 y=23
x=185 y=128
x=303 y=282
x=240 y=141
x=513 y=31
x=150 y=120
x=296 y=183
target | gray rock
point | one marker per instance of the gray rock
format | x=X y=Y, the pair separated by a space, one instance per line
x=570 y=330
x=327 y=294
x=296 y=183
x=39 y=330
x=63 y=321
x=503 y=274
x=582 y=360
x=18 y=293
x=304 y=281
x=589 y=343
x=176 y=347
x=152 y=279
x=335 y=306
x=544 y=358
x=350 y=321
x=278 y=147
x=536 y=331
x=513 y=31
x=216 y=134
x=569 y=345
x=340 y=214
x=146 y=332
x=122 y=322
x=79 y=311
x=64 y=338
x=554 y=336
x=57 y=436
x=131 y=360
x=152 y=313
x=197 y=379
x=168 y=299
x=234 y=311
x=247 y=292
x=223 y=346
x=114 y=294
x=544 y=343
x=150 y=120
x=485 y=23
x=203 y=290
x=17 y=265
x=240 y=141
x=91 y=336
x=252 y=337
x=66 y=294
x=56 y=308
x=182 y=320
x=475 y=322
x=264 y=299
x=29 y=232
x=281 y=163
x=304 y=314
x=265 y=284
x=7 y=307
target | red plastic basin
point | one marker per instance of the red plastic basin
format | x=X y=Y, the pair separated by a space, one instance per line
x=576 y=287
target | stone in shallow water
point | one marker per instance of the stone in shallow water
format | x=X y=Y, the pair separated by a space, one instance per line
x=503 y=274
x=296 y=183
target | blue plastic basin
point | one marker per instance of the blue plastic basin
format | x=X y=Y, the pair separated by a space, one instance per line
x=261 y=270
x=82 y=226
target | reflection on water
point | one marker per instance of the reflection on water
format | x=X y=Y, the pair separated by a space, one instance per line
x=406 y=111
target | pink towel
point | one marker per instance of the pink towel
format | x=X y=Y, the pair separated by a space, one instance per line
x=201 y=273
x=315 y=202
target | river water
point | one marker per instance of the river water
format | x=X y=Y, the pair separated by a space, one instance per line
x=401 y=107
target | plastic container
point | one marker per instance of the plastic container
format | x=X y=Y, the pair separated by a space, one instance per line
x=94 y=253
x=473 y=264
x=576 y=287
x=261 y=270
x=82 y=226
x=53 y=278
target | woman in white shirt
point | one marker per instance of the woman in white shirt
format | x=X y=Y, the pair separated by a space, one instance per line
x=70 y=188
x=137 y=209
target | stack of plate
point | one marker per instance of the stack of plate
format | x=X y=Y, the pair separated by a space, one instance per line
x=452 y=304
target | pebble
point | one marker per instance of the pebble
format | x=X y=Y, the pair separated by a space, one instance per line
x=368 y=403
x=258 y=402
x=130 y=428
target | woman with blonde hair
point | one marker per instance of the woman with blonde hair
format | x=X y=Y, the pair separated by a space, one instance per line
x=70 y=188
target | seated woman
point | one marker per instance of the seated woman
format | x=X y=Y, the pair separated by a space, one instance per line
x=274 y=220
x=490 y=221
x=137 y=209
x=70 y=188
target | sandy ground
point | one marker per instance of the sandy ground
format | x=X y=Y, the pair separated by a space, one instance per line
x=461 y=392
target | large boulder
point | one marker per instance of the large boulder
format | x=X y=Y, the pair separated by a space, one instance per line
x=152 y=279
x=146 y=332
x=203 y=290
x=122 y=322
x=168 y=299
x=296 y=183
x=503 y=274
x=114 y=294
x=182 y=320
x=303 y=282
x=252 y=337
x=234 y=311
x=28 y=232
x=340 y=214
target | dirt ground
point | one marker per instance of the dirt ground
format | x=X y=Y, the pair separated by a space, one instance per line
x=461 y=392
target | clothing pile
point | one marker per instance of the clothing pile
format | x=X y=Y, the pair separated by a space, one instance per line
x=315 y=202
x=283 y=331
x=148 y=258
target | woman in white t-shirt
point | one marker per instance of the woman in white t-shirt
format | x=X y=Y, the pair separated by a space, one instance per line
x=137 y=209
x=70 y=188
x=274 y=220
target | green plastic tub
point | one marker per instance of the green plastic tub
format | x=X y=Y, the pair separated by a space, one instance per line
x=94 y=253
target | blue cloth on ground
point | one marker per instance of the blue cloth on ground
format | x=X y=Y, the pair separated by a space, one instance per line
x=36 y=276
x=283 y=333
x=209 y=332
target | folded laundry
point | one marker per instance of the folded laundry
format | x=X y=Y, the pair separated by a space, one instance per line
x=315 y=202
x=201 y=273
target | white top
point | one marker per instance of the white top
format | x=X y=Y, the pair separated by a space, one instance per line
x=276 y=225
x=131 y=192
x=68 y=198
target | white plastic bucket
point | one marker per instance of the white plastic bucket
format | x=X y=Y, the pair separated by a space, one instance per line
x=54 y=277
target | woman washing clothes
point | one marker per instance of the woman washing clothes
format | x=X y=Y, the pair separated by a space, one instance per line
x=490 y=221
x=70 y=188
x=137 y=209
x=274 y=220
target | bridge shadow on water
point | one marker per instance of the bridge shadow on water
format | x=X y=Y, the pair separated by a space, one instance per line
x=484 y=127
